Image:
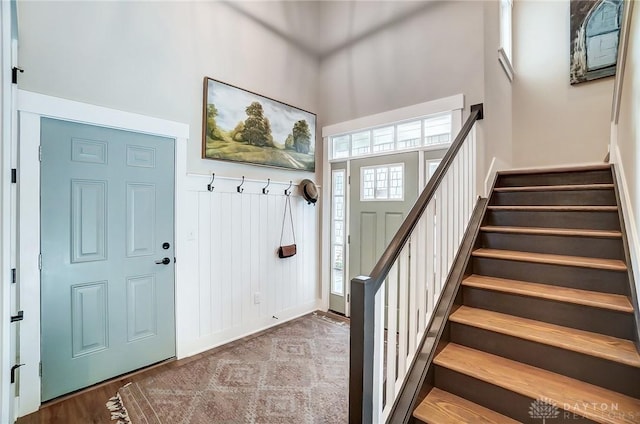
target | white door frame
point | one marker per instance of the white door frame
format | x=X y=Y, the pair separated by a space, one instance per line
x=8 y=59
x=453 y=104
x=32 y=107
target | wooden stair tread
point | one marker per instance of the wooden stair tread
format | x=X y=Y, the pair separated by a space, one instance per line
x=550 y=208
x=575 y=396
x=601 y=300
x=556 y=170
x=569 y=187
x=441 y=407
x=575 y=232
x=585 y=342
x=546 y=258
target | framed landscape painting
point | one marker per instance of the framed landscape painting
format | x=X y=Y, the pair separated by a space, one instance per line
x=242 y=126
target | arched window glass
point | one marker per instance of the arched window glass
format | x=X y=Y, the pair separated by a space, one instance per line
x=602 y=33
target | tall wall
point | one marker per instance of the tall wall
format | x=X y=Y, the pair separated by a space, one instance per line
x=434 y=52
x=151 y=57
x=497 y=125
x=554 y=123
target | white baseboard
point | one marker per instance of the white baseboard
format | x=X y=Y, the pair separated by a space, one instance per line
x=559 y=165
x=495 y=166
x=214 y=340
x=630 y=217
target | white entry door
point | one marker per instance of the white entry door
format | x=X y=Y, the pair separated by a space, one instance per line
x=107 y=245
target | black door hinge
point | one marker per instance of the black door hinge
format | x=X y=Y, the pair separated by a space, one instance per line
x=13 y=275
x=13 y=372
x=18 y=317
x=14 y=175
x=14 y=74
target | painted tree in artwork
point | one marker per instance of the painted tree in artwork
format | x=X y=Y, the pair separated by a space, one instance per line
x=257 y=130
x=269 y=135
x=236 y=133
x=288 y=143
x=301 y=136
x=212 y=127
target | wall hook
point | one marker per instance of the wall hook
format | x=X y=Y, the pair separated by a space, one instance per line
x=210 y=186
x=239 y=188
x=287 y=191
x=264 y=189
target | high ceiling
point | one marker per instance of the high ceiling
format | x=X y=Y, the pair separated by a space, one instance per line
x=326 y=26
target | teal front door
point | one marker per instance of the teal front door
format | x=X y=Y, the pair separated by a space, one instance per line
x=107 y=231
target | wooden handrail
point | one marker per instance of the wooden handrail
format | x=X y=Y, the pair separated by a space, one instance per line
x=364 y=288
x=386 y=261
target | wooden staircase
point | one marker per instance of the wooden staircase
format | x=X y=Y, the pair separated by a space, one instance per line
x=543 y=325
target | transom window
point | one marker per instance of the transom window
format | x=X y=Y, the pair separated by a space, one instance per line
x=431 y=131
x=385 y=182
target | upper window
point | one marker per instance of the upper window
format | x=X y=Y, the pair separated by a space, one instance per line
x=505 y=54
x=425 y=132
x=385 y=182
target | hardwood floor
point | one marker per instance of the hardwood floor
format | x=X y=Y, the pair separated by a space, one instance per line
x=577 y=261
x=535 y=383
x=588 y=343
x=440 y=407
x=88 y=406
x=602 y=300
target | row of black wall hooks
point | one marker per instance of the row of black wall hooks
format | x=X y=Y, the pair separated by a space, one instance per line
x=240 y=189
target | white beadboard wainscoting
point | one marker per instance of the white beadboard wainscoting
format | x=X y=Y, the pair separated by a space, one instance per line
x=232 y=281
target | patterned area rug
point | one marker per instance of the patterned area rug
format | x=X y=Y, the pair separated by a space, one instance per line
x=294 y=373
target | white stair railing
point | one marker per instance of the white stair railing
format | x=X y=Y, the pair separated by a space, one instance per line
x=391 y=308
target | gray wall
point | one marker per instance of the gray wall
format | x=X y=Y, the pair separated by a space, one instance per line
x=554 y=123
x=434 y=52
x=151 y=57
x=497 y=126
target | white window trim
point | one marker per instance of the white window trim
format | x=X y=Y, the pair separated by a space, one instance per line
x=503 y=57
x=429 y=162
x=446 y=104
x=393 y=150
x=506 y=63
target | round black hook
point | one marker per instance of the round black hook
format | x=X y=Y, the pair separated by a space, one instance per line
x=287 y=191
x=264 y=189
x=210 y=186
x=239 y=188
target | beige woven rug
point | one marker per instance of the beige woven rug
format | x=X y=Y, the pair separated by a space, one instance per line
x=294 y=373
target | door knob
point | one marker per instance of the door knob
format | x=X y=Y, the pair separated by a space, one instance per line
x=164 y=261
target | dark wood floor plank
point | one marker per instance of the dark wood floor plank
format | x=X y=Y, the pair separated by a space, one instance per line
x=569 y=232
x=568 y=187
